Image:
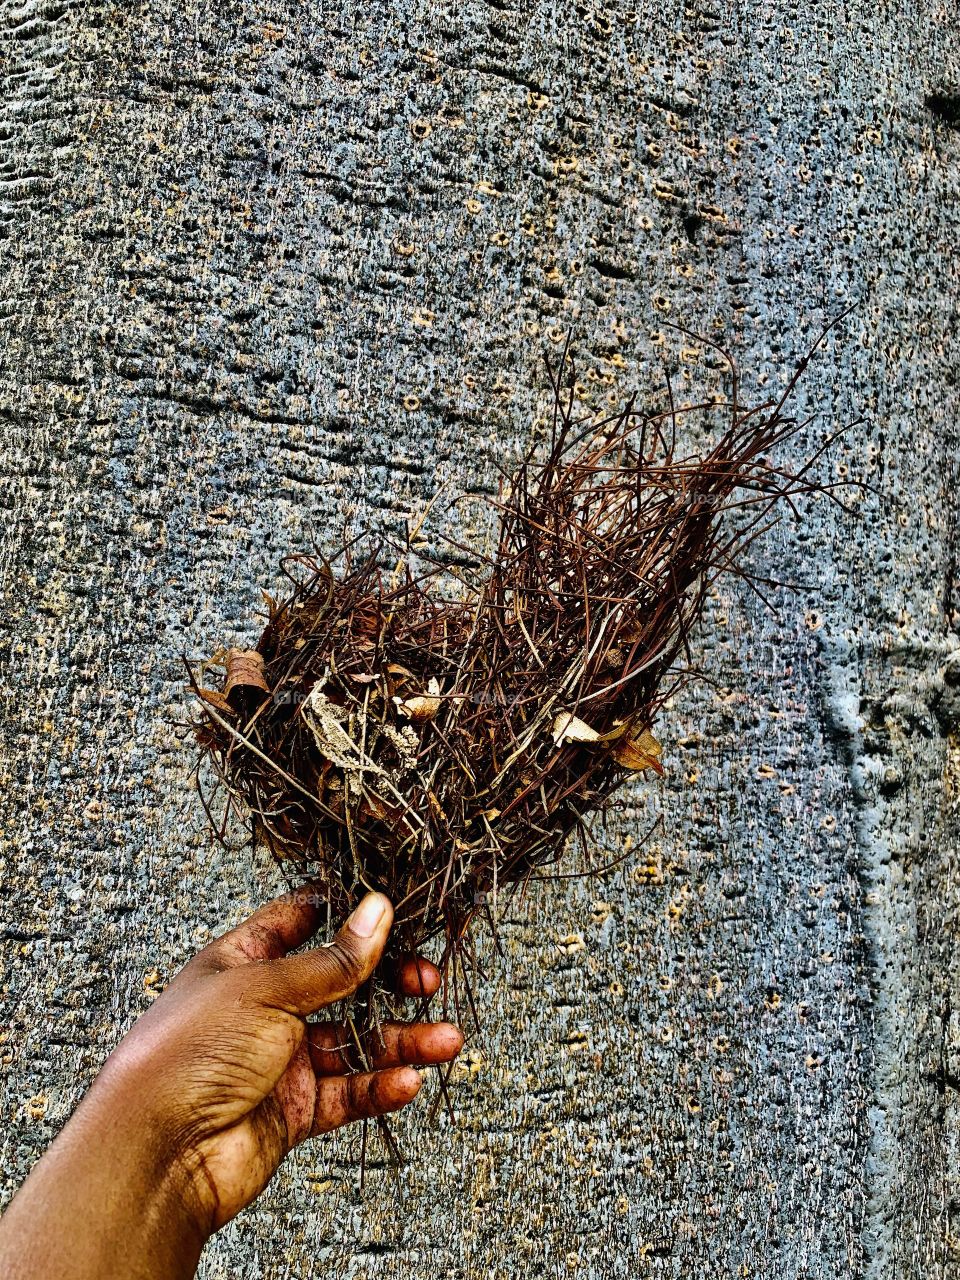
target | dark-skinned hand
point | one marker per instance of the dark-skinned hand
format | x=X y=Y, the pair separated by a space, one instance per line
x=201 y=1100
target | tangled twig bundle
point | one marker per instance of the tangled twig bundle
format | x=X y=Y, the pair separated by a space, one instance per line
x=442 y=750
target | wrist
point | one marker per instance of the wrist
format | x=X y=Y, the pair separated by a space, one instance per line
x=115 y=1191
x=152 y=1154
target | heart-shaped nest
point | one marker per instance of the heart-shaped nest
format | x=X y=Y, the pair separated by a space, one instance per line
x=386 y=734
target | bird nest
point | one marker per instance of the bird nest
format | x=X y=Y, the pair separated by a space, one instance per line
x=385 y=734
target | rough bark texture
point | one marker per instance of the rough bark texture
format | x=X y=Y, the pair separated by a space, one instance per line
x=271 y=268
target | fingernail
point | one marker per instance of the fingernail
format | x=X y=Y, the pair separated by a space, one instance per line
x=368 y=915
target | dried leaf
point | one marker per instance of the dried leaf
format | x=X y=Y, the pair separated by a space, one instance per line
x=570 y=728
x=333 y=741
x=421 y=706
x=640 y=751
x=373 y=806
x=437 y=808
x=244 y=671
x=215 y=699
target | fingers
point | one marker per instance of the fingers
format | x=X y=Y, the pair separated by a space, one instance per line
x=303 y=983
x=278 y=927
x=341 y=1099
x=421 y=1044
x=415 y=976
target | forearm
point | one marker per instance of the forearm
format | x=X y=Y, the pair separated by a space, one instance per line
x=103 y=1201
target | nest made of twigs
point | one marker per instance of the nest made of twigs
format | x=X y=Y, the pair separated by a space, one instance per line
x=386 y=736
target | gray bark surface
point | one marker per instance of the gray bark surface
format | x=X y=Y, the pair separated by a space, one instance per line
x=269 y=270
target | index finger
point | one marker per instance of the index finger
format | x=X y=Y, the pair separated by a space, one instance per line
x=276 y=928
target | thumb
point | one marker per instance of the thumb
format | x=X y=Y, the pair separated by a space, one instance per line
x=304 y=983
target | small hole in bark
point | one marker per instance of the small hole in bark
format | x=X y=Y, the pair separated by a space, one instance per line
x=692 y=222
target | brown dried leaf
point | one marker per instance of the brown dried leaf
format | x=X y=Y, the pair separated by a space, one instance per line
x=639 y=751
x=437 y=809
x=244 y=671
x=215 y=699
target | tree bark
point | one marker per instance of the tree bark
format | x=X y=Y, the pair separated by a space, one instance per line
x=270 y=271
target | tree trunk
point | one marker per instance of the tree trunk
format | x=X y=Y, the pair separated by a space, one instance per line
x=270 y=271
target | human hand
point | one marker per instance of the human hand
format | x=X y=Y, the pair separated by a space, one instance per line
x=201 y=1100
x=238 y=1074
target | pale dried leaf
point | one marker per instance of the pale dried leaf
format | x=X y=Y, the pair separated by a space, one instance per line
x=421 y=706
x=333 y=741
x=570 y=728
